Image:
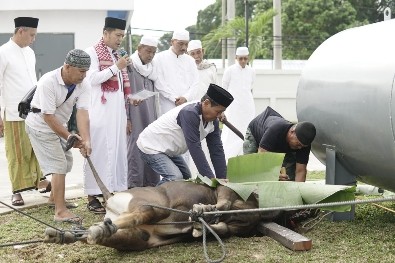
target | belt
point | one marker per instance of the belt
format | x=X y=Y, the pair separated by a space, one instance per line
x=35 y=110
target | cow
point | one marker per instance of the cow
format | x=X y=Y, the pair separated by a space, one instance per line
x=134 y=221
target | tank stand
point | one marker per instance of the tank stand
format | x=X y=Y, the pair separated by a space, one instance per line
x=337 y=174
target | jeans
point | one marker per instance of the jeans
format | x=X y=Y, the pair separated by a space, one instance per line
x=170 y=168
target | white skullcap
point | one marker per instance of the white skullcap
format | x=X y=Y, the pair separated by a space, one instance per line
x=242 y=51
x=149 y=41
x=181 y=35
x=194 y=44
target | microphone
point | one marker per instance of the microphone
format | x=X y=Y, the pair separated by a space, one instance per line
x=122 y=52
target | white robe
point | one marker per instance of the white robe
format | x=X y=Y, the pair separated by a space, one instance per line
x=177 y=77
x=17 y=77
x=238 y=81
x=107 y=131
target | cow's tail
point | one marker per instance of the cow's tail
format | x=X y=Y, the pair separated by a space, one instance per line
x=103 y=188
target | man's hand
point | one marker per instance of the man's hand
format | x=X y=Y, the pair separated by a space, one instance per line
x=222 y=117
x=123 y=62
x=180 y=100
x=135 y=102
x=283 y=175
x=128 y=127
x=86 y=148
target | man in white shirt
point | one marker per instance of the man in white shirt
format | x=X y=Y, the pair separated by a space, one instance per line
x=107 y=113
x=178 y=78
x=17 y=77
x=207 y=75
x=238 y=80
x=57 y=92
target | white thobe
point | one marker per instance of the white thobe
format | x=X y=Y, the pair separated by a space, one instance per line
x=207 y=75
x=107 y=130
x=177 y=77
x=17 y=77
x=238 y=81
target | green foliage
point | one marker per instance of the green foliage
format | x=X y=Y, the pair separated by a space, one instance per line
x=236 y=28
x=254 y=167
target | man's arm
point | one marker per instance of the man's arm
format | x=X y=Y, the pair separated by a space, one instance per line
x=300 y=172
x=83 y=128
x=56 y=126
x=189 y=123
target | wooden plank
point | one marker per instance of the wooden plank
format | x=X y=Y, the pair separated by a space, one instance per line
x=285 y=236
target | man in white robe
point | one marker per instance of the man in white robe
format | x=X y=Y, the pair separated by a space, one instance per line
x=178 y=77
x=107 y=113
x=207 y=75
x=238 y=80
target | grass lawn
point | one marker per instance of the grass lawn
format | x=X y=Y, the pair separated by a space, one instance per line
x=368 y=238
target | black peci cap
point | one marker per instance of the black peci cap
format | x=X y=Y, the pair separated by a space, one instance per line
x=26 y=22
x=219 y=95
x=305 y=131
x=113 y=22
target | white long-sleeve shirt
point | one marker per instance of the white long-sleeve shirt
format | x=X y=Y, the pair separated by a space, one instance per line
x=17 y=77
x=177 y=77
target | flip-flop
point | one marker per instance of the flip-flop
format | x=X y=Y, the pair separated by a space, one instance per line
x=17 y=200
x=71 y=220
x=47 y=189
x=68 y=205
x=96 y=207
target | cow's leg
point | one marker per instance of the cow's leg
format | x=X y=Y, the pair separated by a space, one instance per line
x=141 y=215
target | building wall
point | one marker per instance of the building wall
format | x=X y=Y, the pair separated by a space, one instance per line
x=275 y=88
x=83 y=18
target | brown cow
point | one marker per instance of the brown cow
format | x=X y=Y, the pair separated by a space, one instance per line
x=134 y=225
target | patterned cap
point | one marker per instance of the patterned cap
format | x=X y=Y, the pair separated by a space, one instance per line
x=78 y=58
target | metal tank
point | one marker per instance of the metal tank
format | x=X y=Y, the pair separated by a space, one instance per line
x=347 y=90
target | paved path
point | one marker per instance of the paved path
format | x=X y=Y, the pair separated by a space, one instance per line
x=74 y=181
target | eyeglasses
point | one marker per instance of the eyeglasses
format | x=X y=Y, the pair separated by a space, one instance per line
x=242 y=58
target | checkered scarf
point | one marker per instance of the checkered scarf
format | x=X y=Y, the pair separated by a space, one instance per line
x=105 y=61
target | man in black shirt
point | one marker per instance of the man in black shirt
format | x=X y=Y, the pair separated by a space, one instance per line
x=270 y=132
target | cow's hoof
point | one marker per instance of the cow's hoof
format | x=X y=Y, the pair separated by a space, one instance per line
x=97 y=233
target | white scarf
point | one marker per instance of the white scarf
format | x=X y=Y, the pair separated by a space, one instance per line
x=146 y=70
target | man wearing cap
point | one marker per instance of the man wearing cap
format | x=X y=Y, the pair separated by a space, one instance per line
x=238 y=80
x=107 y=113
x=270 y=132
x=183 y=128
x=17 y=77
x=207 y=71
x=178 y=77
x=141 y=114
x=57 y=92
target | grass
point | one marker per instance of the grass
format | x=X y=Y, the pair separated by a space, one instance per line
x=368 y=238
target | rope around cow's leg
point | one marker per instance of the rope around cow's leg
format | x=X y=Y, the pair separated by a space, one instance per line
x=206 y=226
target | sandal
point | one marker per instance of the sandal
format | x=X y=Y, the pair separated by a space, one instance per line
x=47 y=189
x=17 y=200
x=96 y=207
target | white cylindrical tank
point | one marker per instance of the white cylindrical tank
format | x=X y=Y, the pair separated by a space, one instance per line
x=347 y=90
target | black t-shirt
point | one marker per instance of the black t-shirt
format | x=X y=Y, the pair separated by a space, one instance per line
x=270 y=131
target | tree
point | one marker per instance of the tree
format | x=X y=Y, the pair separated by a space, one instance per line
x=236 y=28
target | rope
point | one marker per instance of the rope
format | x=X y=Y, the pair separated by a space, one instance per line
x=60 y=231
x=206 y=226
x=21 y=243
x=297 y=207
x=25 y=214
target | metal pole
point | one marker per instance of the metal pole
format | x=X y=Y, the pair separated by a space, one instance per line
x=223 y=40
x=232 y=40
x=246 y=20
x=277 y=37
